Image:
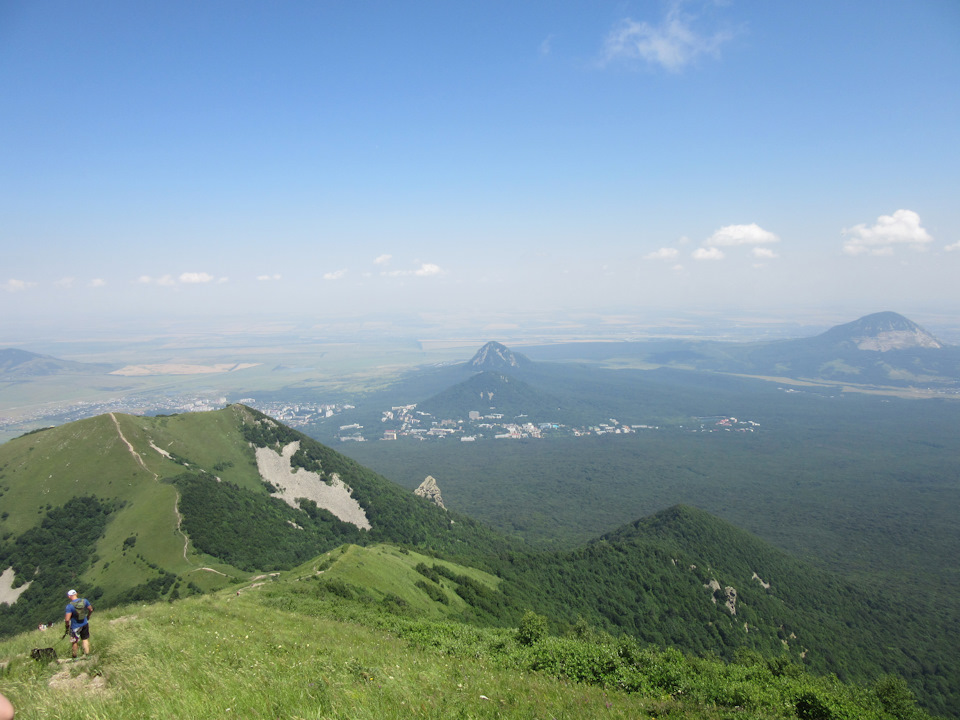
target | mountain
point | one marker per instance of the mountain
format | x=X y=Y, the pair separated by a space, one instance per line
x=881 y=332
x=491 y=392
x=494 y=356
x=685 y=578
x=884 y=349
x=19 y=364
x=131 y=507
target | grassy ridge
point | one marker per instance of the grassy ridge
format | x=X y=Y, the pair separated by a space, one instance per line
x=386 y=571
x=293 y=649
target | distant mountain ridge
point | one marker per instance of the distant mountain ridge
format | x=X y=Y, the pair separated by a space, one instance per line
x=883 y=349
x=16 y=363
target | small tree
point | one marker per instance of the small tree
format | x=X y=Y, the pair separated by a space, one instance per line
x=532 y=628
x=896 y=697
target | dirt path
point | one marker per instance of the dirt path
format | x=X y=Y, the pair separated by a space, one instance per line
x=176 y=504
x=129 y=446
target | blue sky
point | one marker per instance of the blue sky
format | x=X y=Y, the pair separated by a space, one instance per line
x=331 y=158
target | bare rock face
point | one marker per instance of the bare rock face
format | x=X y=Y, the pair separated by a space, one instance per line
x=898 y=340
x=298 y=483
x=428 y=489
x=731 y=603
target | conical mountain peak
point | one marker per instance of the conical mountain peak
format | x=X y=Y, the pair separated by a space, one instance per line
x=495 y=356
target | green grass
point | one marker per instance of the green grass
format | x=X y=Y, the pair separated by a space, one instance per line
x=288 y=649
x=216 y=658
x=386 y=571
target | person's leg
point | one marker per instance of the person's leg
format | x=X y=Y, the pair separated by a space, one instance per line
x=84 y=634
x=6 y=709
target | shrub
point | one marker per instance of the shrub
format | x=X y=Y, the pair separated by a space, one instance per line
x=812 y=704
x=896 y=697
x=532 y=629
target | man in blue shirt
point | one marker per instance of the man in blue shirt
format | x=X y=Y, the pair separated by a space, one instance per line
x=77 y=621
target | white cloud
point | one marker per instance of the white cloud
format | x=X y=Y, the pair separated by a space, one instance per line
x=164 y=280
x=712 y=253
x=732 y=235
x=98 y=282
x=187 y=278
x=662 y=254
x=951 y=248
x=889 y=231
x=66 y=282
x=13 y=285
x=425 y=270
x=335 y=275
x=673 y=44
x=267 y=278
x=382 y=260
x=192 y=278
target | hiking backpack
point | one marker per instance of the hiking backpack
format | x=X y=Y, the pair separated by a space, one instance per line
x=79 y=610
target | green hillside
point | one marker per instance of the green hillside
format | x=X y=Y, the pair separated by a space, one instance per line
x=297 y=646
x=178 y=505
x=491 y=392
x=138 y=509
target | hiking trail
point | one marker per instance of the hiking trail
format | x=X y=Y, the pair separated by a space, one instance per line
x=176 y=504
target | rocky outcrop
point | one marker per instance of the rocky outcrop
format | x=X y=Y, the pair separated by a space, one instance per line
x=428 y=489
x=728 y=595
x=731 y=594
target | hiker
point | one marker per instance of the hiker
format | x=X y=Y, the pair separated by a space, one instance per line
x=77 y=621
x=6 y=709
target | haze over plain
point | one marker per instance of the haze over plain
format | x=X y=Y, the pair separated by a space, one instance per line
x=476 y=162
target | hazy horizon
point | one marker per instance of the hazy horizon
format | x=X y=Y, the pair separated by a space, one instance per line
x=486 y=170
